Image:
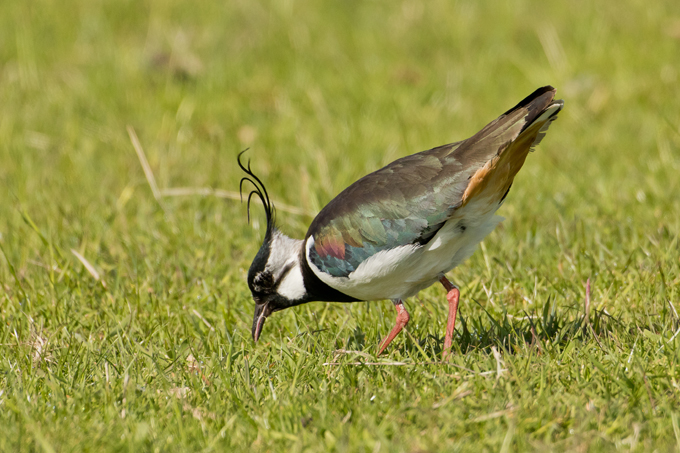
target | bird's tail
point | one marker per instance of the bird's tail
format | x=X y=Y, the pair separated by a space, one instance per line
x=523 y=126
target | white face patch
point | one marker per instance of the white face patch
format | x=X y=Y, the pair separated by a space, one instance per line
x=284 y=265
x=282 y=251
x=292 y=287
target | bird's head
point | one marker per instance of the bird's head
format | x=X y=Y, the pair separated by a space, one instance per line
x=275 y=276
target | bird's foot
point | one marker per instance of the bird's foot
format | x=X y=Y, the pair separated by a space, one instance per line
x=402 y=319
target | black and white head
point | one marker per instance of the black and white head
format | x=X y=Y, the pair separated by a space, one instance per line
x=275 y=276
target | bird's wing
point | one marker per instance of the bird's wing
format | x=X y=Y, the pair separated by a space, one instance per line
x=409 y=200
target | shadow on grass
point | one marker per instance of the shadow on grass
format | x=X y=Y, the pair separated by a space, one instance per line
x=357 y=340
x=546 y=329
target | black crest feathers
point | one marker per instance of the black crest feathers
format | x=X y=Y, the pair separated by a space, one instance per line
x=259 y=191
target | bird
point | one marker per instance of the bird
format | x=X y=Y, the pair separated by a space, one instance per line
x=400 y=229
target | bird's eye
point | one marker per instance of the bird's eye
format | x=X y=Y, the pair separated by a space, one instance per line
x=262 y=282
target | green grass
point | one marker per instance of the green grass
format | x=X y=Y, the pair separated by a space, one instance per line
x=157 y=354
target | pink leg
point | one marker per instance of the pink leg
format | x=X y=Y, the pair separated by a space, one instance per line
x=402 y=319
x=453 y=295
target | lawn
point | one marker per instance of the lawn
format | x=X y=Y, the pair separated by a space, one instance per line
x=125 y=314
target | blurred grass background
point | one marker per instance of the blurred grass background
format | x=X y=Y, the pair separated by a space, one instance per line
x=156 y=354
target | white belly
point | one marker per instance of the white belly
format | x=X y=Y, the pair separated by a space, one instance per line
x=402 y=272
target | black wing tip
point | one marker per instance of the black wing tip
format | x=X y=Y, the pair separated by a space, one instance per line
x=533 y=96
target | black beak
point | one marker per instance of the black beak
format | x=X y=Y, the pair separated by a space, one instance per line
x=261 y=313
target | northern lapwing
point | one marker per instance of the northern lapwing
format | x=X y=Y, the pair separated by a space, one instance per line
x=399 y=229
